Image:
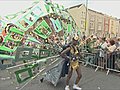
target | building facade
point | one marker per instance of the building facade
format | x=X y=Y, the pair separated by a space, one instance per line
x=106 y=26
x=117 y=28
x=99 y=26
x=112 y=27
x=92 y=21
x=96 y=23
x=80 y=17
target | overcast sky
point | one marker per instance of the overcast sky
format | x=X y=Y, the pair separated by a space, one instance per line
x=110 y=7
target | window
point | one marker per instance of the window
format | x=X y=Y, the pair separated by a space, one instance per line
x=83 y=14
x=117 y=28
x=106 y=27
x=99 y=19
x=82 y=24
x=112 y=23
x=106 y=20
x=92 y=18
x=91 y=25
x=111 y=28
x=99 y=27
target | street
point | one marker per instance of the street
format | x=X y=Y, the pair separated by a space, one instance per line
x=91 y=80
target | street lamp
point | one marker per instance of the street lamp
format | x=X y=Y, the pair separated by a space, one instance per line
x=86 y=15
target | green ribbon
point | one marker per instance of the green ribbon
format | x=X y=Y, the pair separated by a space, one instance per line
x=15 y=30
x=4 y=48
x=7 y=56
x=69 y=27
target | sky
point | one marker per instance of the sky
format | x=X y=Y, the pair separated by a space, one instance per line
x=109 y=7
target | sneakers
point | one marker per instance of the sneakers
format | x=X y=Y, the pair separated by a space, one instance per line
x=67 y=88
x=76 y=87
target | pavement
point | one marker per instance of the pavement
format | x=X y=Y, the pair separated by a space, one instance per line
x=91 y=80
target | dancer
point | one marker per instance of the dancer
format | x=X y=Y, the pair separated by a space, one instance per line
x=74 y=63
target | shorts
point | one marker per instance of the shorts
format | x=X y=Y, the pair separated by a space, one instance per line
x=74 y=64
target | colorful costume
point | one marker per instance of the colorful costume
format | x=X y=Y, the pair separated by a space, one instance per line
x=74 y=62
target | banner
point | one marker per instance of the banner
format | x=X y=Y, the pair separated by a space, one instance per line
x=43 y=30
x=56 y=24
x=21 y=71
x=30 y=18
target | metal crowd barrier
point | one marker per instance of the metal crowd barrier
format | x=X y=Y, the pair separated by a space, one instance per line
x=101 y=59
x=113 y=62
x=94 y=59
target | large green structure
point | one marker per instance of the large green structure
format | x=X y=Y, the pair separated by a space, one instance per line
x=38 y=23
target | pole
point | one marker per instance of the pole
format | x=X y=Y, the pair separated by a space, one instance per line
x=86 y=15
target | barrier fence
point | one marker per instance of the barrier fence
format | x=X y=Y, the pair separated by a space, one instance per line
x=102 y=59
x=112 y=62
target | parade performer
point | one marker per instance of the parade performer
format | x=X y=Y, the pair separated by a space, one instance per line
x=74 y=64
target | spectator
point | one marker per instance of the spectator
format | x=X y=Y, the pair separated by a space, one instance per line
x=111 y=55
x=112 y=46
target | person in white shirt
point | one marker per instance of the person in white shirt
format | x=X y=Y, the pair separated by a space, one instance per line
x=112 y=46
x=105 y=44
x=111 y=55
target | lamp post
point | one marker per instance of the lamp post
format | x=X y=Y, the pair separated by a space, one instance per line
x=86 y=15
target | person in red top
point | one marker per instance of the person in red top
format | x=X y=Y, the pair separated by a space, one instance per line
x=4 y=33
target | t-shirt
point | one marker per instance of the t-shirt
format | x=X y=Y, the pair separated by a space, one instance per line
x=111 y=48
x=104 y=45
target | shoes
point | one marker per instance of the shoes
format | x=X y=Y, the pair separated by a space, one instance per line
x=76 y=87
x=67 y=88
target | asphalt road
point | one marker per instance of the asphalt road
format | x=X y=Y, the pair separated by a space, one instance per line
x=91 y=80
